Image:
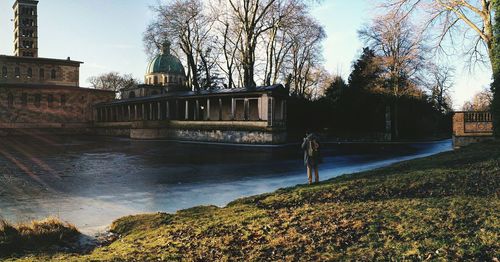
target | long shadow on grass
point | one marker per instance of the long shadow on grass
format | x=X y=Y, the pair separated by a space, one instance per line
x=472 y=171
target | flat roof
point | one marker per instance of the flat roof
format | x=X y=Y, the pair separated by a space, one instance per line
x=204 y=93
x=40 y=59
x=52 y=86
x=31 y=2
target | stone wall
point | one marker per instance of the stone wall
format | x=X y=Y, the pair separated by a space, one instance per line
x=48 y=107
x=40 y=131
x=245 y=132
x=471 y=127
x=229 y=136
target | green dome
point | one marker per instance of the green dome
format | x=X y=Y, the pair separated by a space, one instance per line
x=165 y=63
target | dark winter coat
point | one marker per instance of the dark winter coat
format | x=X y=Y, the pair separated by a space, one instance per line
x=311 y=160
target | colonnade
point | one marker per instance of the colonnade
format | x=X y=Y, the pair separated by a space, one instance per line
x=262 y=108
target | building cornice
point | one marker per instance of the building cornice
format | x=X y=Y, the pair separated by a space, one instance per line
x=22 y=59
x=25 y=2
x=52 y=87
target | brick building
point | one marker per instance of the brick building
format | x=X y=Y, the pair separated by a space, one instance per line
x=38 y=94
x=43 y=95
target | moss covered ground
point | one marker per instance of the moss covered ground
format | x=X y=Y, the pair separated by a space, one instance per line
x=443 y=207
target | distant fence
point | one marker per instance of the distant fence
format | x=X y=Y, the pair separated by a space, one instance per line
x=471 y=127
x=478 y=117
x=478 y=122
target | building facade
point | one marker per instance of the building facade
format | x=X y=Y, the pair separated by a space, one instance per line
x=42 y=94
x=165 y=108
x=241 y=115
x=39 y=71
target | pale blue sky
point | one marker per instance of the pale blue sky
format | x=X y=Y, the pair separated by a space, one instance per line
x=107 y=36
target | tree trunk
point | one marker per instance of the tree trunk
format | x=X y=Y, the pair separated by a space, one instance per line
x=208 y=80
x=395 y=123
x=495 y=61
x=248 y=72
x=194 y=73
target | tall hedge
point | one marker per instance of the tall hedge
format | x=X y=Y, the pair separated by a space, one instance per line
x=495 y=86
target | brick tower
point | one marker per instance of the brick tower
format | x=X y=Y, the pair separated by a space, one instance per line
x=25 y=28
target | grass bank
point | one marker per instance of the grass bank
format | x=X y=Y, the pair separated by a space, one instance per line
x=35 y=236
x=443 y=207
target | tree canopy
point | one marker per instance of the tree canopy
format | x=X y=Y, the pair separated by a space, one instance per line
x=242 y=42
x=112 y=81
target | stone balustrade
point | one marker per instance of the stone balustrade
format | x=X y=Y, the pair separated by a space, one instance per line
x=471 y=127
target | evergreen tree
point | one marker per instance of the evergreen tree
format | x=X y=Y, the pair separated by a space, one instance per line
x=336 y=88
x=365 y=71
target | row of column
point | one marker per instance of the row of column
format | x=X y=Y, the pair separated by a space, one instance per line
x=171 y=109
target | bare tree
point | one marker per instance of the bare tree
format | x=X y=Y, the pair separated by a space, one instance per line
x=284 y=16
x=453 y=19
x=227 y=28
x=481 y=101
x=474 y=23
x=401 y=51
x=183 y=23
x=440 y=84
x=252 y=15
x=112 y=81
x=305 y=55
x=208 y=74
x=262 y=55
x=248 y=40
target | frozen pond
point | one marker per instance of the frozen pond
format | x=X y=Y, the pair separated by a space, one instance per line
x=90 y=181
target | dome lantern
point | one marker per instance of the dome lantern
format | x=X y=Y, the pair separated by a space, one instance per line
x=166 y=70
x=165 y=47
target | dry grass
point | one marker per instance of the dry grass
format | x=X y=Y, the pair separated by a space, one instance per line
x=441 y=208
x=34 y=235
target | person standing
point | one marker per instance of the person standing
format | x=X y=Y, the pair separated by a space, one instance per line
x=312 y=157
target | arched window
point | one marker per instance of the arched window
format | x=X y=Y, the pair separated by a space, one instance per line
x=50 y=100
x=24 y=99
x=4 y=71
x=63 y=100
x=38 y=99
x=53 y=74
x=41 y=74
x=10 y=100
x=17 y=72
x=155 y=80
x=30 y=72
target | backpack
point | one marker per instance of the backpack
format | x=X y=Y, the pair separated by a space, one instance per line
x=313 y=148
